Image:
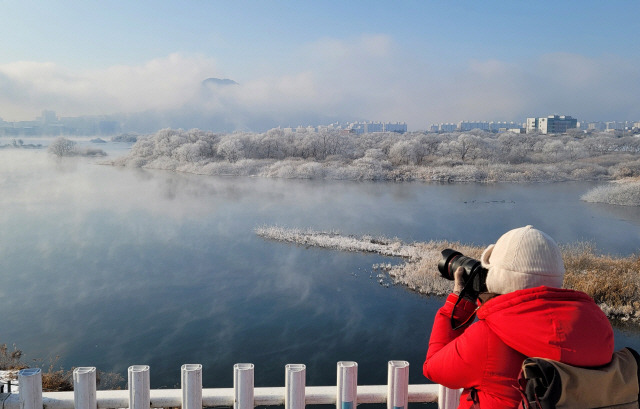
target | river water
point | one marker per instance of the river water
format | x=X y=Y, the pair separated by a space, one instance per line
x=111 y=267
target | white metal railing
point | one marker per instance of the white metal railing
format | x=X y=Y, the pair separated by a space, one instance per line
x=347 y=394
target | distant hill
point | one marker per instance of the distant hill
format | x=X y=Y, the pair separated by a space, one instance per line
x=219 y=81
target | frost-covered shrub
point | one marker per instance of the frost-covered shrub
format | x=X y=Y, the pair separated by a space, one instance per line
x=143 y=149
x=372 y=166
x=310 y=170
x=624 y=194
x=626 y=169
x=588 y=172
x=282 y=169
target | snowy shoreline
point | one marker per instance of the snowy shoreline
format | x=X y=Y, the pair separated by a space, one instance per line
x=419 y=270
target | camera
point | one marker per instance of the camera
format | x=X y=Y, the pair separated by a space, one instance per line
x=475 y=276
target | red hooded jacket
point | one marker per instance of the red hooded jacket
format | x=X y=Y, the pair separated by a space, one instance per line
x=486 y=356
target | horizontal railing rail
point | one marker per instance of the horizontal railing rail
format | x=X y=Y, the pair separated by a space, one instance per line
x=346 y=394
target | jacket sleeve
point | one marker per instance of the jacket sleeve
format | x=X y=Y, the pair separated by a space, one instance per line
x=456 y=358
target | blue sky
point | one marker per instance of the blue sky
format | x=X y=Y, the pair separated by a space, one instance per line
x=420 y=62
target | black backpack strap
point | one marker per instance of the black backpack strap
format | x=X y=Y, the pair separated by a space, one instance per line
x=540 y=383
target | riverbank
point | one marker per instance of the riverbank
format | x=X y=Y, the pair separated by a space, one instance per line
x=613 y=282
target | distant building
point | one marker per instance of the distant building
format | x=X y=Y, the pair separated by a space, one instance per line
x=487 y=126
x=551 y=124
x=370 y=127
x=468 y=126
x=356 y=128
x=505 y=127
x=48 y=117
x=614 y=126
x=399 y=127
x=447 y=127
x=596 y=126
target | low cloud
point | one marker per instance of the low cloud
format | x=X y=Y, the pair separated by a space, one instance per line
x=365 y=78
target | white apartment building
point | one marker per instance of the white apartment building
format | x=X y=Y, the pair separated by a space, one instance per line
x=551 y=124
x=532 y=125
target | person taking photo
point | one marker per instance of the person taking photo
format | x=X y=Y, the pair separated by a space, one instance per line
x=523 y=313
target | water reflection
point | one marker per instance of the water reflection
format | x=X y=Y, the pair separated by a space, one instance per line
x=113 y=267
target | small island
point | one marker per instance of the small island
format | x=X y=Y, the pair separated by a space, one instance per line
x=473 y=156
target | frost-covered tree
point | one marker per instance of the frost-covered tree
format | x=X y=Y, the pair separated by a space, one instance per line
x=62 y=147
x=553 y=149
x=575 y=150
x=231 y=149
x=426 y=145
x=403 y=153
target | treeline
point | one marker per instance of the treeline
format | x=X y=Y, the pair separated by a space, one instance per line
x=466 y=156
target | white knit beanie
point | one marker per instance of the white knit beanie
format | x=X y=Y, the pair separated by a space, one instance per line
x=523 y=258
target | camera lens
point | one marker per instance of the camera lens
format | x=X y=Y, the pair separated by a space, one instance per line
x=446 y=262
x=473 y=269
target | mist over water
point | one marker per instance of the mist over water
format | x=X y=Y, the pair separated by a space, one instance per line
x=112 y=267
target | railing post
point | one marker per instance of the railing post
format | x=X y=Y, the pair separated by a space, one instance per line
x=84 y=388
x=398 y=385
x=294 y=384
x=139 y=387
x=243 y=386
x=191 y=376
x=347 y=385
x=448 y=398
x=30 y=381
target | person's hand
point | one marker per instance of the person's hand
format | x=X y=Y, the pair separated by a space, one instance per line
x=459 y=282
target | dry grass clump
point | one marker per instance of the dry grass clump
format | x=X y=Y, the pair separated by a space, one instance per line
x=613 y=282
x=57 y=380
x=60 y=379
x=54 y=379
x=10 y=359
